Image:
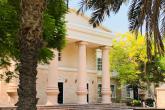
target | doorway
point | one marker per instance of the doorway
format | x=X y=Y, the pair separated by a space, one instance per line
x=87 y=93
x=60 y=95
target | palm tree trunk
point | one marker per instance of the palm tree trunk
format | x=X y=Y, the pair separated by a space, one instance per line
x=30 y=44
x=148 y=82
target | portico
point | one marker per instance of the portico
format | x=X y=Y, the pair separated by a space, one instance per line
x=81 y=77
x=82 y=39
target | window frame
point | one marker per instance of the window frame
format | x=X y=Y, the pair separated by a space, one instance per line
x=99 y=64
x=130 y=92
x=99 y=87
x=113 y=96
x=59 y=55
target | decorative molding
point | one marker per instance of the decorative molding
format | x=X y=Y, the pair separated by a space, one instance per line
x=73 y=69
x=79 y=32
x=70 y=69
x=89 y=30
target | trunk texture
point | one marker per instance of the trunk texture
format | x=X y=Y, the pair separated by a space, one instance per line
x=30 y=44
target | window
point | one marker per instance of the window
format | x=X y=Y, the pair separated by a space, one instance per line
x=129 y=91
x=113 y=91
x=99 y=90
x=59 y=55
x=99 y=64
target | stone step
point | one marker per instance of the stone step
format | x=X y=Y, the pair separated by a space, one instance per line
x=71 y=105
x=86 y=107
x=79 y=107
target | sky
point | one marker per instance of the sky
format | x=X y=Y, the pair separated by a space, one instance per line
x=117 y=23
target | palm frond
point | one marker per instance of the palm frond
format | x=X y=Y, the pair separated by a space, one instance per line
x=147 y=12
x=141 y=13
x=100 y=9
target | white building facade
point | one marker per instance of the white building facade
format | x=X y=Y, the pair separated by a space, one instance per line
x=72 y=76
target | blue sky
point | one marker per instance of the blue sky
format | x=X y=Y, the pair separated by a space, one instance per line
x=116 y=23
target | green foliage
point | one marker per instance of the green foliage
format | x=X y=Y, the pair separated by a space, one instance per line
x=54 y=24
x=9 y=25
x=124 y=56
x=3 y=1
x=136 y=103
x=45 y=55
x=154 y=72
x=129 y=59
x=54 y=31
x=122 y=65
x=56 y=8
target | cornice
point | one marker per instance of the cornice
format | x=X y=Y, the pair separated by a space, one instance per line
x=89 y=30
x=69 y=69
x=84 y=33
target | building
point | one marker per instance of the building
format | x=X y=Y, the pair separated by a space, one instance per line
x=160 y=91
x=72 y=76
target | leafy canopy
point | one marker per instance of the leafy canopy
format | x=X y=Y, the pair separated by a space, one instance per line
x=54 y=31
x=129 y=58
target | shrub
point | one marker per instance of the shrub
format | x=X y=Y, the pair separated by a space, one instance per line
x=149 y=102
x=136 y=103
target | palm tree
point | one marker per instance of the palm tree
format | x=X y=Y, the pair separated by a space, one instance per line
x=30 y=44
x=147 y=13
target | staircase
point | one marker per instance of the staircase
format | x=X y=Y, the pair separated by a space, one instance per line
x=113 y=106
x=86 y=107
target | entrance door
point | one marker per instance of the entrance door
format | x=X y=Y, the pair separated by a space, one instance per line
x=87 y=93
x=60 y=95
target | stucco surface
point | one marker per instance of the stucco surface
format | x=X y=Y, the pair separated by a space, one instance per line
x=4 y=99
x=161 y=97
x=70 y=57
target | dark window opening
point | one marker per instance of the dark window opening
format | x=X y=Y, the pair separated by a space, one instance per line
x=99 y=64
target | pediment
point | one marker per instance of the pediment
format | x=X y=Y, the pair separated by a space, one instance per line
x=82 y=20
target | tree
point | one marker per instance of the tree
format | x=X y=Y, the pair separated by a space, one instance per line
x=30 y=41
x=126 y=56
x=141 y=13
x=29 y=29
x=130 y=61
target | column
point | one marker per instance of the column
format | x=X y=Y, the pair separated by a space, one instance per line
x=82 y=74
x=52 y=84
x=106 y=94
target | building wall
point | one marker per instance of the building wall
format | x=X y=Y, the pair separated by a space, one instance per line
x=4 y=98
x=41 y=85
x=67 y=73
x=69 y=80
x=70 y=57
x=160 y=97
